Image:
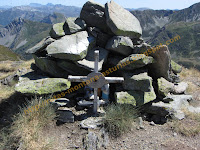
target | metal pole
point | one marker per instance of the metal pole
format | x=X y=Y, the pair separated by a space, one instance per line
x=96 y=57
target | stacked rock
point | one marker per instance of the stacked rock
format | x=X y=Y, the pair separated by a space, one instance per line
x=116 y=33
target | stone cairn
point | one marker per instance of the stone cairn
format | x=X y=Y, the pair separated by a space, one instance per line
x=150 y=81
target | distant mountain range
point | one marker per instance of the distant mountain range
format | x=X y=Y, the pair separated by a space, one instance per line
x=161 y=25
x=158 y=26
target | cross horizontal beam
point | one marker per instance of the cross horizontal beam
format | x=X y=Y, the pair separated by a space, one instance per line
x=84 y=78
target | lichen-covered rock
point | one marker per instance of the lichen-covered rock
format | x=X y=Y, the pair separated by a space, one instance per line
x=57 y=30
x=120 y=44
x=94 y=16
x=88 y=61
x=135 y=61
x=165 y=87
x=73 y=25
x=121 y=21
x=136 y=98
x=176 y=68
x=141 y=82
x=49 y=66
x=142 y=48
x=72 y=47
x=42 y=86
x=41 y=45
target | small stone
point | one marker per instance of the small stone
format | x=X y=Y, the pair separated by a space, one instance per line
x=152 y=123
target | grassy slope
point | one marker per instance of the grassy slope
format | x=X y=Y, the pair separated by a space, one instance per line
x=7 y=54
x=186 y=50
x=33 y=32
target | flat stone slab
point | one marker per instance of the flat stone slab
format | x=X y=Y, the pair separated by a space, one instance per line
x=71 y=47
x=88 y=61
x=121 y=21
x=49 y=66
x=92 y=123
x=135 y=61
x=42 y=86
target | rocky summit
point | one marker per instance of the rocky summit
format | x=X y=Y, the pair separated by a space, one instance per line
x=116 y=33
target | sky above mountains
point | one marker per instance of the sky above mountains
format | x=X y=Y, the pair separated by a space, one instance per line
x=153 y=4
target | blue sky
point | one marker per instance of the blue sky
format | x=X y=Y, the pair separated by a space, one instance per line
x=154 y=4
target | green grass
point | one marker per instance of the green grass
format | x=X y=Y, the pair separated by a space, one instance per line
x=119 y=119
x=7 y=54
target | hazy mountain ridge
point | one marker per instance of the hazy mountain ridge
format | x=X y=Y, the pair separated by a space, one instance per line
x=36 y=13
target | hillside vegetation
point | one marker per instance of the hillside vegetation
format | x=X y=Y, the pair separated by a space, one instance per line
x=7 y=54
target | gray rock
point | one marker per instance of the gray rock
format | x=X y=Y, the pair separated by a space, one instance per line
x=92 y=123
x=71 y=47
x=88 y=61
x=121 y=21
x=57 y=30
x=141 y=82
x=94 y=15
x=41 y=45
x=180 y=87
x=65 y=116
x=101 y=37
x=165 y=87
x=41 y=85
x=135 y=61
x=176 y=68
x=173 y=108
x=96 y=140
x=72 y=68
x=120 y=44
x=73 y=25
x=162 y=66
x=140 y=49
x=50 y=66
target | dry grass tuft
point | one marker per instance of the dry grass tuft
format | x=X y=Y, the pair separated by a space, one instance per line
x=190 y=126
x=27 y=129
x=119 y=119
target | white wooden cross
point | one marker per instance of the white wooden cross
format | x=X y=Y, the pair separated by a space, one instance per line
x=102 y=80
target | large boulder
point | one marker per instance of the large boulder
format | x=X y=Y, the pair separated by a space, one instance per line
x=135 y=61
x=121 y=21
x=40 y=47
x=136 y=98
x=120 y=44
x=72 y=47
x=57 y=30
x=141 y=82
x=73 y=25
x=162 y=66
x=94 y=15
x=88 y=61
x=49 y=66
x=42 y=86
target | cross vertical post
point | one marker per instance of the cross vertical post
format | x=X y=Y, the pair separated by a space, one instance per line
x=95 y=103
